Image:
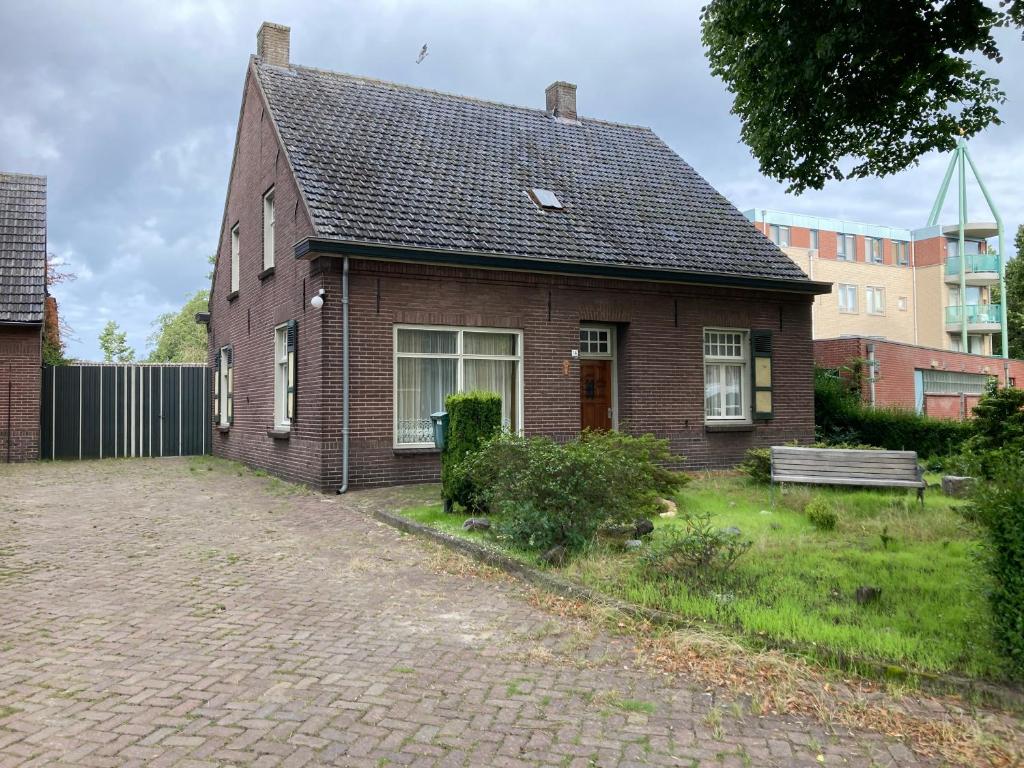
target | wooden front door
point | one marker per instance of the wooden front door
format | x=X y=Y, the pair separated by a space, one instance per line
x=595 y=394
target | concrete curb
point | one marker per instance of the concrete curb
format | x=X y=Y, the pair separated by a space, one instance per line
x=972 y=690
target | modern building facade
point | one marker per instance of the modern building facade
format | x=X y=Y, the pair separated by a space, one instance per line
x=895 y=284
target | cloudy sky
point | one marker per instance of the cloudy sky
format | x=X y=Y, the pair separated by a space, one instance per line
x=129 y=108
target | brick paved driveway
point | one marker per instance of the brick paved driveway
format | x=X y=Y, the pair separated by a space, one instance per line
x=159 y=613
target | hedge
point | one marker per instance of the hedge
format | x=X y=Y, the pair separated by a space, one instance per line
x=473 y=418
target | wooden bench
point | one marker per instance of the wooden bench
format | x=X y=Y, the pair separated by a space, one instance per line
x=841 y=466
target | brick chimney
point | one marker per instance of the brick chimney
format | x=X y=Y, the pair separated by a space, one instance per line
x=272 y=44
x=561 y=99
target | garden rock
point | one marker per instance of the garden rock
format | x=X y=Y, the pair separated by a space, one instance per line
x=956 y=486
x=671 y=510
x=732 y=530
x=865 y=595
x=643 y=528
x=477 y=524
x=633 y=544
x=556 y=556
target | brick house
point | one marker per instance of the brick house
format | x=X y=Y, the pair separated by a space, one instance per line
x=384 y=245
x=22 y=308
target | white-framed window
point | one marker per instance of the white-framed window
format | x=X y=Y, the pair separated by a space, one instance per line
x=595 y=341
x=875 y=300
x=282 y=381
x=902 y=303
x=846 y=247
x=779 y=235
x=235 y=256
x=873 y=245
x=814 y=239
x=901 y=252
x=432 y=362
x=726 y=376
x=225 y=386
x=268 y=229
x=847 y=298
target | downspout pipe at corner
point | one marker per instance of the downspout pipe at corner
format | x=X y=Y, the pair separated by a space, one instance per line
x=344 y=378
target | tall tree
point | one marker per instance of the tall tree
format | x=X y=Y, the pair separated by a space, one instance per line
x=55 y=328
x=114 y=344
x=178 y=338
x=833 y=89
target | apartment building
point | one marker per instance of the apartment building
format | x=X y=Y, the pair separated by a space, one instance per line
x=895 y=284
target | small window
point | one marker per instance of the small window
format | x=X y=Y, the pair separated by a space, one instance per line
x=545 y=198
x=846 y=247
x=847 y=298
x=901 y=302
x=779 y=235
x=268 y=230
x=595 y=342
x=234 y=258
x=281 y=377
x=876 y=300
x=874 y=249
x=814 y=239
x=224 y=385
x=901 y=252
x=726 y=383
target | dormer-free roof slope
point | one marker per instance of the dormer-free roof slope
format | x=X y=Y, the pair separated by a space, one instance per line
x=386 y=164
x=22 y=248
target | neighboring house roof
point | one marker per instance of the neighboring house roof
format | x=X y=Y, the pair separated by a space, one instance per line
x=22 y=248
x=393 y=165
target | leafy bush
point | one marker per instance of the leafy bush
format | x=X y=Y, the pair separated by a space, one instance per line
x=821 y=513
x=699 y=552
x=546 y=494
x=998 y=430
x=841 y=417
x=473 y=417
x=758 y=465
x=999 y=506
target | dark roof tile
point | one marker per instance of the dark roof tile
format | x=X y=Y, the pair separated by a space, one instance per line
x=22 y=248
x=389 y=164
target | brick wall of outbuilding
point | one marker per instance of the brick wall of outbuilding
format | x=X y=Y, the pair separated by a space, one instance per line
x=20 y=388
x=897 y=363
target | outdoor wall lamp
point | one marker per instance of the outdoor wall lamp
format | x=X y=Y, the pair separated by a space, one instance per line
x=318 y=300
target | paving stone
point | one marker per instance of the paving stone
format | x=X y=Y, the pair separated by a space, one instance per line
x=156 y=613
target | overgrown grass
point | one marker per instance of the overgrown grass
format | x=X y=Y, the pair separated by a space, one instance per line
x=796 y=585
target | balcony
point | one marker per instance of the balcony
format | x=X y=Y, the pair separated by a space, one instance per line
x=981 y=269
x=980 y=317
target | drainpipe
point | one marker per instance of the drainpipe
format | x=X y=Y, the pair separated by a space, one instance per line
x=344 y=378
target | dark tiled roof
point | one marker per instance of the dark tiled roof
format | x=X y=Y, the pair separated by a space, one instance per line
x=401 y=166
x=22 y=248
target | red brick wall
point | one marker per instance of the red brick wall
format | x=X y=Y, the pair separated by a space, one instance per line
x=247 y=322
x=20 y=388
x=660 y=370
x=928 y=253
x=897 y=363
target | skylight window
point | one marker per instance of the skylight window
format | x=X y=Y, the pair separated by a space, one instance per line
x=545 y=198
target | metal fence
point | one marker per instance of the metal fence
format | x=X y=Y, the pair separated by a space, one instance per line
x=95 y=411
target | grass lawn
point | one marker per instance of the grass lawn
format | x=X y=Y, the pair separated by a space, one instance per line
x=796 y=584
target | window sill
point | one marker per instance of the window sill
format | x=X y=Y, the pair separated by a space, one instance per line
x=232 y=296
x=726 y=426
x=279 y=433
x=416 y=451
x=223 y=428
x=265 y=273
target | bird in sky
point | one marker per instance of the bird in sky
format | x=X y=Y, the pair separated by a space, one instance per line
x=423 y=54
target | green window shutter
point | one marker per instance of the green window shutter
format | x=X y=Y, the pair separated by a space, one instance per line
x=293 y=371
x=216 y=388
x=761 y=355
x=230 y=354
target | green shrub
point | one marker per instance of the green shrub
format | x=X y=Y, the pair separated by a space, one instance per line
x=841 y=417
x=821 y=513
x=998 y=430
x=999 y=506
x=473 y=418
x=699 y=552
x=758 y=465
x=545 y=494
